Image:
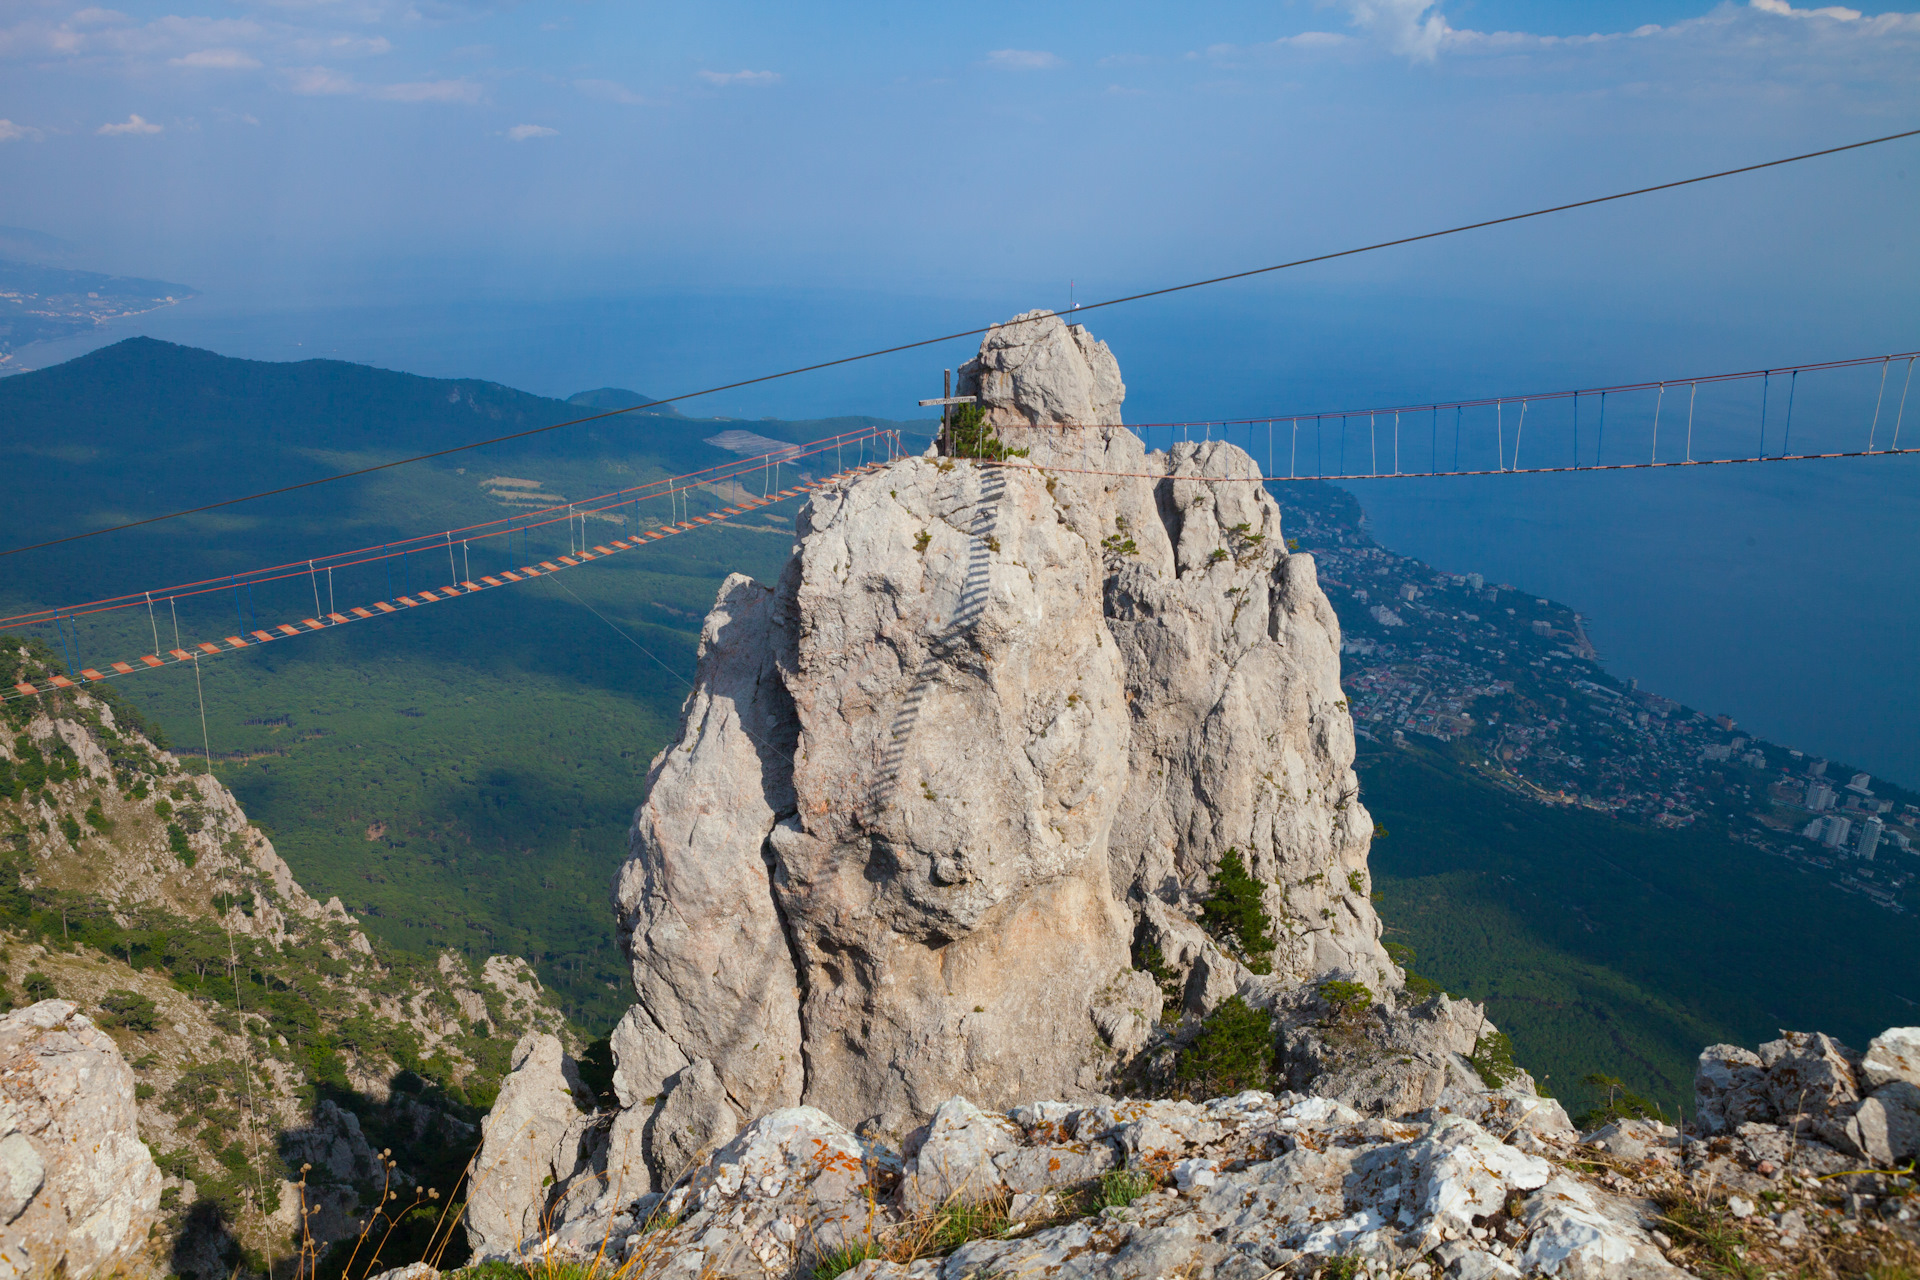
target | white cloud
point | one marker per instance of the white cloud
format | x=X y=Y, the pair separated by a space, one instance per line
x=740 y=77
x=1406 y=27
x=1417 y=30
x=217 y=60
x=1313 y=40
x=465 y=92
x=610 y=91
x=1785 y=10
x=314 y=81
x=325 y=81
x=342 y=46
x=11 y=132
x=133 y=124
x=107 y=39
x=1023 y=60
x=521 y=132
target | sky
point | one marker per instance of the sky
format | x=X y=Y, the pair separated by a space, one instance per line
x=573 y=194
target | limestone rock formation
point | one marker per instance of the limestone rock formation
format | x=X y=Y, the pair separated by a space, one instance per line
x=987 y=742
x=950 y=802
x=1864 y=1106
x=78 y=1189
x=1036 y=371
x=529 y=1141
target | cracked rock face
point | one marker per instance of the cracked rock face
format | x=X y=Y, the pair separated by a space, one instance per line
x=994 y=728
x=78 y=1189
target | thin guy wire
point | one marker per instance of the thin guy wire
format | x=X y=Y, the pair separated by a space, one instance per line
x=1872 y=430
x=1903 y=403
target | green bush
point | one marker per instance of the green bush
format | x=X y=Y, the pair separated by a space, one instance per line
x=596 y=1069
x=1347 y=1002
x=38 y=986
x=1148 y=959
x=839 y=1261
x=1621 y=1104
x=971 y=436
x=1233 y=1052
x=1236 y=913
x=129 y=1009
x=177 y=841
x=1115 y=1189
x=1493 y=1059
x=70 y=829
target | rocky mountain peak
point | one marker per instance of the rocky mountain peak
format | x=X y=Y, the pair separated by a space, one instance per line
x=1038 y=371
x=1030 y=772
x=1016 y=774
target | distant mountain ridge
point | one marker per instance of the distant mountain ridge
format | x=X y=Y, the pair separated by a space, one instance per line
x=462 y=778
x=620 y=398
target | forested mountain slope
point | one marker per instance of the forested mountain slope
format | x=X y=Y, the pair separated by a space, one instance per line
x=266 y=1031
x=460 y=778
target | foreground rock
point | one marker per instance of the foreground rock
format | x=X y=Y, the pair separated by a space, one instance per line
x=529 y=1140
x=1482 y=1183
x=1866 y=1107
x=79 y=1191
x=1235 y=1187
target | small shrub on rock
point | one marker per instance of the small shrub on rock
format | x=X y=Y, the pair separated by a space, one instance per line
x=1233 y=1052
x=1235 y=913
x=1493 y=1059
x=1621 y=1103
x=973 y=437
x=1347 y=1002
x=1115 y=1189
x=838 y=1262
x=1151 y=961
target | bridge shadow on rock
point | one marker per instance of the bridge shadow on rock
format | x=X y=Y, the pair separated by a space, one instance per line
x=972 y=604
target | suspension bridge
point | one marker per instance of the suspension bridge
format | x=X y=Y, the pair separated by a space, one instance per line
x=1392 y=422
x=1278 y=437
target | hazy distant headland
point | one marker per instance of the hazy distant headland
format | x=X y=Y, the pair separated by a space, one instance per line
x=41 y=303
